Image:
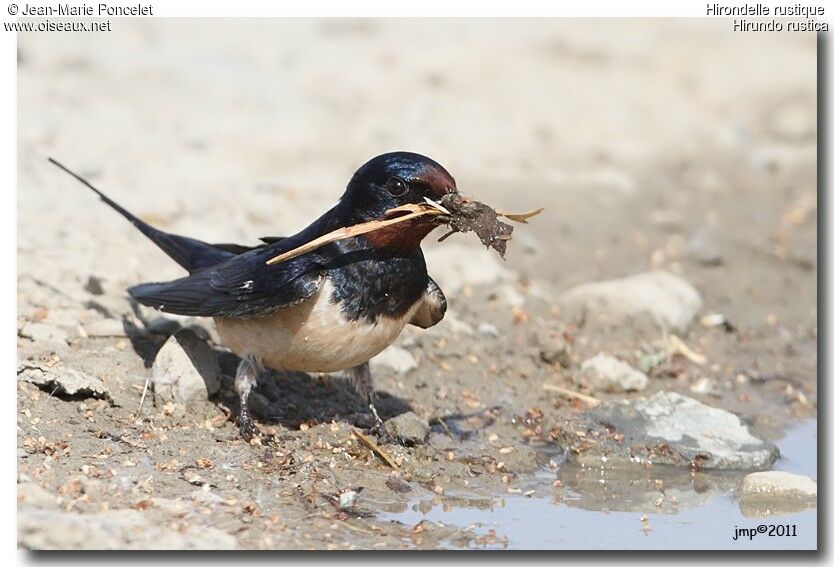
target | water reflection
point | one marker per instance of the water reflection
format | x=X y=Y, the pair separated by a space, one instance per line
x=575 y=507
x=658 y=489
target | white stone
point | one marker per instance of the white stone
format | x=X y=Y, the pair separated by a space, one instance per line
x=609 y=374
x=105 y=328
x=488 y=329
x=185 y=370
x=396 y=358
x=671 y=301
x=454 y=323
x=62 y=380
x=44 y=332
x=778 y=483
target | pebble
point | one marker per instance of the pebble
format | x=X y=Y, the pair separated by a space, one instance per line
x=93 y=286
x=396 y=358
x=606 y=373
x=408 y=428
x=705 y=386
x=668 y=299
x=779 y=483
x=43 y=332
x=185 y=371
x=554 y=350
x=488 y=329
x=776 y=492
x=105 y=328
x=705 y=249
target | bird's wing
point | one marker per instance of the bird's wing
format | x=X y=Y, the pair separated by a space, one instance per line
x=272 y=239
x=235 y=249
x=241 y=287
x=241 y=248
x=244 y=285
x=432 y=307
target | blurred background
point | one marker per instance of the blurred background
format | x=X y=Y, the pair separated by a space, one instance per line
x=637 y=135
x=652 y=143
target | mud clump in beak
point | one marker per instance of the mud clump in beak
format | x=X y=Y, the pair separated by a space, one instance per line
x=467 y=215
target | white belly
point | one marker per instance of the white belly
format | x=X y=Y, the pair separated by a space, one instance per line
x=312 y=336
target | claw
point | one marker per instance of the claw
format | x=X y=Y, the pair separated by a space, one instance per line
x=248 y=429
x=377 y=429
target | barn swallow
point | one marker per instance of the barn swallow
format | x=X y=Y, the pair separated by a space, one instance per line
x=328 y=310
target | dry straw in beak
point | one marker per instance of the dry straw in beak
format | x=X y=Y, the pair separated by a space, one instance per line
x=413 y=211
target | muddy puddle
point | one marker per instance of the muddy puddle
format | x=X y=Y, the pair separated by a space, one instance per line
x=570 y=507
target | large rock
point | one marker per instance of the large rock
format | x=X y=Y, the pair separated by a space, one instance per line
x=669 y=300
x=665 y=429
x=185 y=371
x=62 y=381
x=777 y=492
x=606 y=373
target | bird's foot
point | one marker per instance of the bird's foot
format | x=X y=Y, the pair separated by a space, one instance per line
x=377 y=429
x=248 y=429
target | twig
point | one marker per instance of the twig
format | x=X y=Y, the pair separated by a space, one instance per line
x=144 y=393
x=677 y=346
x=518 y=217
x=375 y=448
x=590 y=400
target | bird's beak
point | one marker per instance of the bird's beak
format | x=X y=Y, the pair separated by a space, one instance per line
x=437 y=206
x=428 y=209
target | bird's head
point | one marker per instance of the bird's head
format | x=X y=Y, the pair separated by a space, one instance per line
x=392 y=180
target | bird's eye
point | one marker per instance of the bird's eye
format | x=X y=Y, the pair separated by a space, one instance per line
x=396 y=187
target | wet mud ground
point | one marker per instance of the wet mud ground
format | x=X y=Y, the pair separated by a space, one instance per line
x=708 y=175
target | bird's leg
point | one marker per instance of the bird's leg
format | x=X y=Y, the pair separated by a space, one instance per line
x=246 y=379
x=363 y=385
